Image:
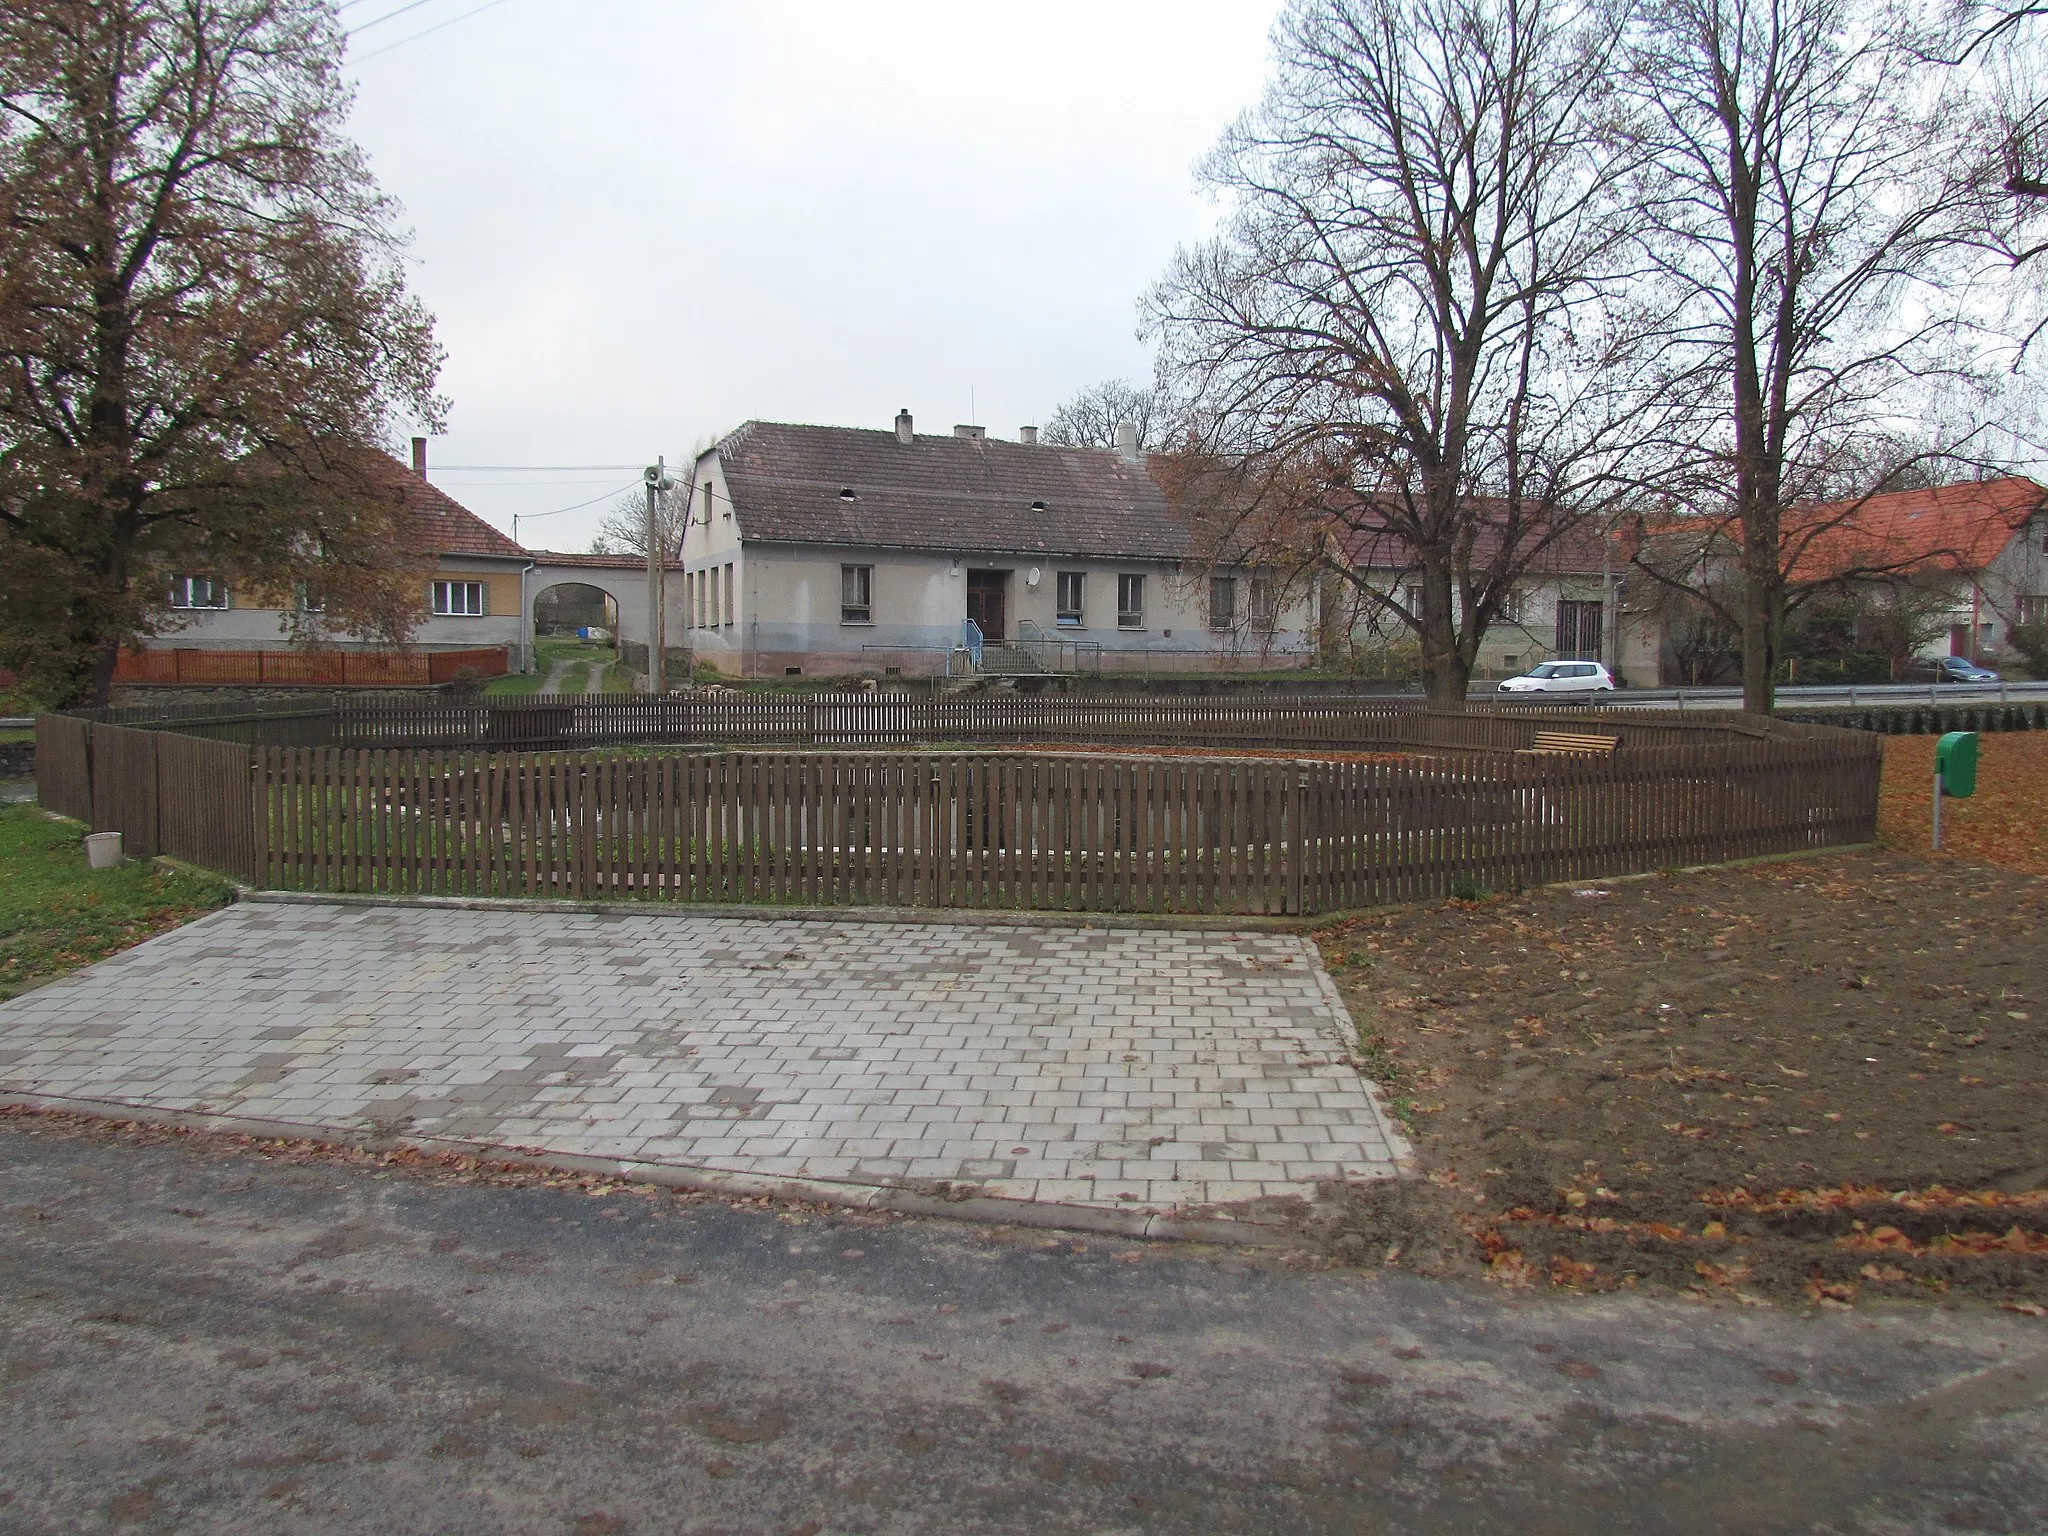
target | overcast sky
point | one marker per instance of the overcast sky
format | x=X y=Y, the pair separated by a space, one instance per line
x=642 y=222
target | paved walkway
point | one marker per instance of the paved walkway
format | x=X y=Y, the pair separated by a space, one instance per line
x=1118 y=1068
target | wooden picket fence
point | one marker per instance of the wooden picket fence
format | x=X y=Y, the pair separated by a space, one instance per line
x=909 y=721
x=184 y=796
x=1010 y=829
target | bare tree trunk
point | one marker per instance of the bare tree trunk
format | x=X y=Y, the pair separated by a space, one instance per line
x=1444 y=672
x=1759 y=655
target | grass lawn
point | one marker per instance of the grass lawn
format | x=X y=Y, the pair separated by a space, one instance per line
x=57 y=915
x=514 y=685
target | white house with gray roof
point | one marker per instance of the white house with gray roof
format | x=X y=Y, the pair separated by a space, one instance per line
x=835 y=550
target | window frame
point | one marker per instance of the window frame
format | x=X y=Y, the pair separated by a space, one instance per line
x=731 y=580
x=182 y=586
x=1264 y=607
x=441 y=597
x=1223 y=617
x=856 y=594
x=1074 y=615
x=1130 y=600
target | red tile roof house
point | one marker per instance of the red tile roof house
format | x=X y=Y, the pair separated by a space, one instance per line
x=472 y=599
x=1987 y=539
x=835 y=550
x=1984 y=541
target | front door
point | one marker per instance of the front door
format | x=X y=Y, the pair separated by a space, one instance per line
x=985 y=590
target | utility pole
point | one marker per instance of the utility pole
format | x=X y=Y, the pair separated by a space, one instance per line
x=658 y=485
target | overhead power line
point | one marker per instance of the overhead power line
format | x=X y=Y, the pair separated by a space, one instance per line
x=426 y=31
x=550 y=468
x=411 y=5
x=615 y=491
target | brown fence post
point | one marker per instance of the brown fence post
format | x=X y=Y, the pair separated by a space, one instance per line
x=1298 y=845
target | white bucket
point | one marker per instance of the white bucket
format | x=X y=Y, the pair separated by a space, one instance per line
x=103 y=849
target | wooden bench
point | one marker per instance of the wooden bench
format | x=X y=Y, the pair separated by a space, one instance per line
x=1574 y=743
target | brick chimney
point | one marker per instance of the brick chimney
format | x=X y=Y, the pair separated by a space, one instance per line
x=1127 y=442
x=903 y=432
x=419 y=457
x=1027 y=435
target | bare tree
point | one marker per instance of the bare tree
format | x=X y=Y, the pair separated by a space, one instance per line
x=624 y=529
x=1809 y=207
x=203 y=324
x=1396 y=350
x=1090 y=419
x=2000 y=43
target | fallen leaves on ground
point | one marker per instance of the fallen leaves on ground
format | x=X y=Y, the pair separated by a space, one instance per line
x=2005 y=823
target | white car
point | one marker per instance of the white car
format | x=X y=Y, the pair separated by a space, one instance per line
x=1562 y=677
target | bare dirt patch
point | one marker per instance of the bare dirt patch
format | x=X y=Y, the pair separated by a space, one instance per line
x=1816 y=1079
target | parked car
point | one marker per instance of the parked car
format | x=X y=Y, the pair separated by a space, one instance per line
x=1562 y=677
x=1947 y=669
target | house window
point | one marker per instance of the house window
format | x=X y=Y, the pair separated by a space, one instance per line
x=1069 y=611
x=1514 y=606
x=198 y=592
x=711 y=580
x=856 y=594
x=459 y=599
x=731 y=616
x=309 y=601
x=1411 y=597
x=1265 y=605
x=1130 y=602
x=2031 y=610
x=1222 y=602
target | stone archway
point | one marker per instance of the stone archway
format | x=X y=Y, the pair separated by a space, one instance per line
x=570 y=606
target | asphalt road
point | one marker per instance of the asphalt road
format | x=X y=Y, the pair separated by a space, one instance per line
x=198 y=1342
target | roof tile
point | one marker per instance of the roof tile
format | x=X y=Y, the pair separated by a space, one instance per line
x=1954 y=527
x=955 y=494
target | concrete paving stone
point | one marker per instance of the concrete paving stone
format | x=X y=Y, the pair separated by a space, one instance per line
x=863 y=1052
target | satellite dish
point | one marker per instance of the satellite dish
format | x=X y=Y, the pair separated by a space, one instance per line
x=1031 y=577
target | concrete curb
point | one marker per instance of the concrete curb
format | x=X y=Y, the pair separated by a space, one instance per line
x=987 y=1209
x=967 y=917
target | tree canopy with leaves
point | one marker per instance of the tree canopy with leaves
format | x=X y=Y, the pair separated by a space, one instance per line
x=204 y=325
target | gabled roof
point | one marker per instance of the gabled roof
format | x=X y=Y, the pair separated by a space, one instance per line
x=444 y=526
x=964 y=495
x=1945 y=527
